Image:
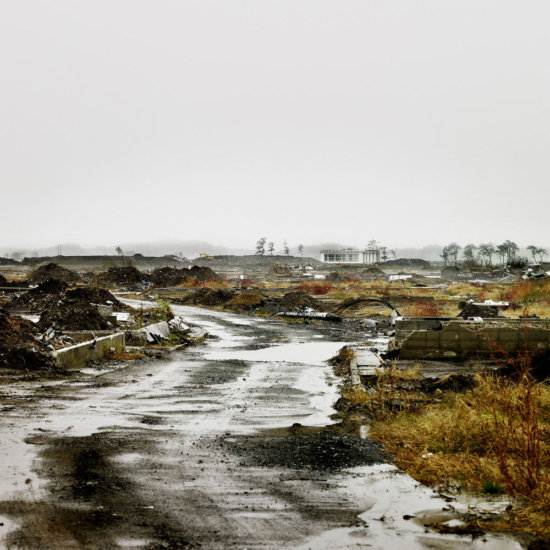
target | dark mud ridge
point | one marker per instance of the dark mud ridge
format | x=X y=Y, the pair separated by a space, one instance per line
x=314 y=451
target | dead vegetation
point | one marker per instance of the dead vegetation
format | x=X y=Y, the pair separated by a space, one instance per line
x=494 y=437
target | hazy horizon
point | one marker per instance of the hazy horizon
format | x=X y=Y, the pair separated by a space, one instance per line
x=313 y=121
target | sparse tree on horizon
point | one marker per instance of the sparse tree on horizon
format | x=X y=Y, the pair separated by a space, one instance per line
x=260 y=247
x=301 y=250
x=469 y=253
x=486 y=250
x=271 y=248
x=536 y=251
x=286 y=250
x=118 y=251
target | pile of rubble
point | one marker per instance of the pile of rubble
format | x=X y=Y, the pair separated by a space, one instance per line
x=68 y=309
x=19 y=348
x=39 y=298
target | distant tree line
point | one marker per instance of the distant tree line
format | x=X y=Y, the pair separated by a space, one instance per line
x=482 y=254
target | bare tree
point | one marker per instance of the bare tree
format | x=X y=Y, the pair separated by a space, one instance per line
x=286 y=249
x=270 y=248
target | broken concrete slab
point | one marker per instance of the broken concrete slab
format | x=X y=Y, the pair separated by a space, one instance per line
x=151 y=334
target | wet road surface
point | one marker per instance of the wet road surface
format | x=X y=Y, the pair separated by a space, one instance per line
x=199 y=451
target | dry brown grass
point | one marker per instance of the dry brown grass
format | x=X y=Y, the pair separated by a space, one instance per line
x=498 y=433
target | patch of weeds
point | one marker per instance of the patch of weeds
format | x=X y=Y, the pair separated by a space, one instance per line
x=493 y=437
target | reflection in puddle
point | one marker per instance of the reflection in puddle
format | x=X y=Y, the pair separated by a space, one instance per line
x=306 y=353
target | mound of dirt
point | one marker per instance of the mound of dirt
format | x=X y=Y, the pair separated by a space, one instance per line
x=3 y=280
x=298 y=299
x=18 y=347
x=168 y=276
x=207 y=297
x=95 y=296
x=73 y=315
x=40 y=297
x=53 y=271
x=121 y=275
x=203 y=274
x=247 y=300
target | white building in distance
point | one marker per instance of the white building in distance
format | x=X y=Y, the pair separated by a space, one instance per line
x=350 y=256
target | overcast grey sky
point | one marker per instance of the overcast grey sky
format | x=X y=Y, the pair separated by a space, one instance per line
x=410 y=122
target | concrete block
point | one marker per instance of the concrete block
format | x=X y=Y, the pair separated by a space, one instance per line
x=77 y=356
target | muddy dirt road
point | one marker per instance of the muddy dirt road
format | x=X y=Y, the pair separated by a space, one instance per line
x=204 y=449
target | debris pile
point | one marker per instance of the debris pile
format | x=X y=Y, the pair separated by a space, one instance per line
x=40 y=297
x=71 y=314
x=53 y=271
x=95 y=295
x=18 y=347
x=472 y=309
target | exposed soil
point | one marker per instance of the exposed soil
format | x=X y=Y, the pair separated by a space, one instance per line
x=53 y=271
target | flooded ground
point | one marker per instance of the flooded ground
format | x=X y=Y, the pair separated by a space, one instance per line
x=218 y=446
